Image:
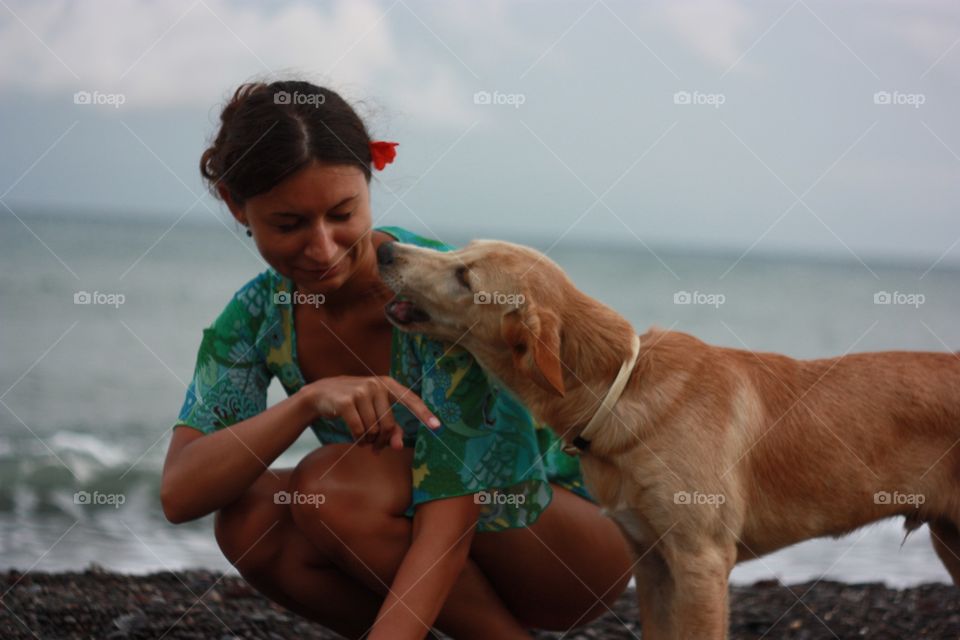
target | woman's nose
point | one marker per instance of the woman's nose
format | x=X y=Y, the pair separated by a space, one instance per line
x=322 y=248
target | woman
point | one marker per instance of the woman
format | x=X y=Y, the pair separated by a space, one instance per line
x=455 y=509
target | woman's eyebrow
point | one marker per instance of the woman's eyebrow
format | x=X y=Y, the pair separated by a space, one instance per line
x=345 y=201
x=294 y=213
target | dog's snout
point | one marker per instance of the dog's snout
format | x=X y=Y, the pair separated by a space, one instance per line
x=385 y=254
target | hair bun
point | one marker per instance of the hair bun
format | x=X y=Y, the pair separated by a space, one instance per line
x=288 y=124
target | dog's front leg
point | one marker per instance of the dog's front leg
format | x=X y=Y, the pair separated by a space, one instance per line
x=654 y=593
x=699 y=607
x=684 y=594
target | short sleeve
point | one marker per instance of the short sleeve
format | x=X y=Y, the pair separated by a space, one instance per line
x=407 y=369
x=487 y=444
x=230 y=378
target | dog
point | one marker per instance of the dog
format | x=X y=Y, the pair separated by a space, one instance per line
x=709 y=455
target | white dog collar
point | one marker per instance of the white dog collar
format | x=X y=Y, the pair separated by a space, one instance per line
x=582 y=442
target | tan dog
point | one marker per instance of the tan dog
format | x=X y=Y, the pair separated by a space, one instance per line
x=711 y=455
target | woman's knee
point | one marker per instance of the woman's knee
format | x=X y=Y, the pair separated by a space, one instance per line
x=327 y=469
x=249 y=530
x=337 y=491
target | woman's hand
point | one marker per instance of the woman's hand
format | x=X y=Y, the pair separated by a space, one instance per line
x=365 y=404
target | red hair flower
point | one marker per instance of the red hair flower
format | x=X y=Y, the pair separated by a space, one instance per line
x=382 y=153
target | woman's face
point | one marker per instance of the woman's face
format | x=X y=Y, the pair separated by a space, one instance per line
x=314 y=226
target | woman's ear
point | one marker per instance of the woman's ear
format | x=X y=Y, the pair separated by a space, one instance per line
x=236 y=210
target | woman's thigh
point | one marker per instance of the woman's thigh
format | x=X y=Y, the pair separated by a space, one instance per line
x=353 y=478
x=258 y=535
x=251 y=530
x=359 y=488
x=567 y=568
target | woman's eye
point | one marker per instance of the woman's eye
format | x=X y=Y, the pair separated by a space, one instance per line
x=288 y=227
x=341 y=216
x=462 y=277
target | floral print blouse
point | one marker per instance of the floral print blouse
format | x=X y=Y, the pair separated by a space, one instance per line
x=488 y=443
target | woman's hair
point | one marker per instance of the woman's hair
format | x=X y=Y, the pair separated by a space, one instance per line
x=270 y=131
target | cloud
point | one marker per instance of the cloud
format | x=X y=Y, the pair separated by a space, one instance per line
x=934 y=37
x=714 y=29
x=190 y=54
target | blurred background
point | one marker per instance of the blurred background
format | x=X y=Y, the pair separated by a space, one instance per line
x=774 y=175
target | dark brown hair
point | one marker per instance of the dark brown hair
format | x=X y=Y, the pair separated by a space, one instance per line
x=270 y=131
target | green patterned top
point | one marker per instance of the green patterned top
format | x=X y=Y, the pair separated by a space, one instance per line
x=488 y=443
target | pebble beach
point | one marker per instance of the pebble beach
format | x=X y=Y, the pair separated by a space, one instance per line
x=202 y=605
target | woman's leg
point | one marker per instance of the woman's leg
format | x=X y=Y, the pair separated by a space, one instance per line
x=361 y=524
x=259 y=538
x=338 y=573
x=568 y=568
x=565 y=570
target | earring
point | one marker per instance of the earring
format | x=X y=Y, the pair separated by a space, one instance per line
x=249 y=233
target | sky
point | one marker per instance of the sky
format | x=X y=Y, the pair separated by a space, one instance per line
x=826 y=129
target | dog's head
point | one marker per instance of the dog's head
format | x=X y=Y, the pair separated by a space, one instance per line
x=500 y=300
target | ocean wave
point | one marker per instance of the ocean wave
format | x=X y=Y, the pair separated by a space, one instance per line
x=74 y=460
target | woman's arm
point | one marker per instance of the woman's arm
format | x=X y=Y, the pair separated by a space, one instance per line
x=442 y=534
x=206 y=473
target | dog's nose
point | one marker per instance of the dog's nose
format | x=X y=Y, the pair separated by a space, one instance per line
x=385 y=254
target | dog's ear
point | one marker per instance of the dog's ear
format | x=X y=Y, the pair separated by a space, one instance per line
x=534 y=337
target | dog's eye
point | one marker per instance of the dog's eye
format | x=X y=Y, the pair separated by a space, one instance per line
x=462 y=277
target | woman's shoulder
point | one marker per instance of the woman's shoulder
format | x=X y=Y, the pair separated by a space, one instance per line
x=253 y=301
x=409 y=237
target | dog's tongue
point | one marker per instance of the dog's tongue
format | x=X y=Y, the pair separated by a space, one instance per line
x=405 y=312
x=402 y=310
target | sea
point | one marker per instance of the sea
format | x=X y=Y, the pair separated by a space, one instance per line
x=101 y=317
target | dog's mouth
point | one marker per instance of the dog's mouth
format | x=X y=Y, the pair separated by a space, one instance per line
x=404 y=312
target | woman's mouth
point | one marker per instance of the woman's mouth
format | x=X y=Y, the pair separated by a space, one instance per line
x=321 y=274
x=405 y=312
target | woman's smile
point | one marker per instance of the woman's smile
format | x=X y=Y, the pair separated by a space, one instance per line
x=323 y=273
